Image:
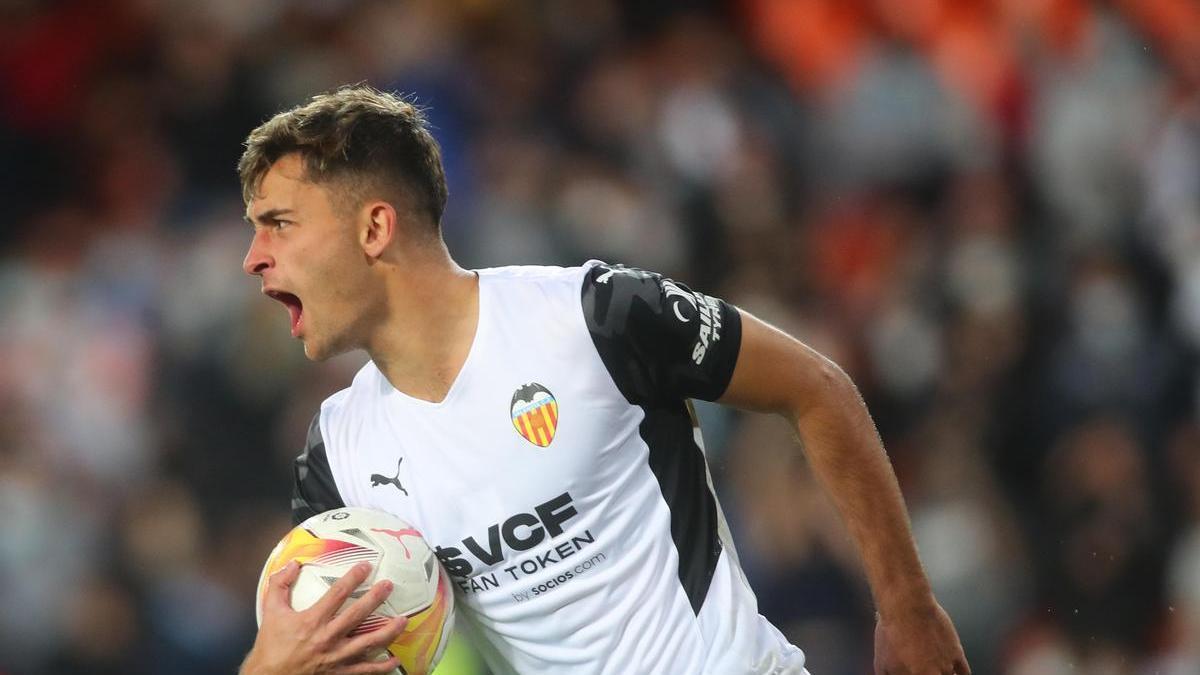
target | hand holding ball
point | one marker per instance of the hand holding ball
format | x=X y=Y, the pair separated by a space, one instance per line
x=330 y=545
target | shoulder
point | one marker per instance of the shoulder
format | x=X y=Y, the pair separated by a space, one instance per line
x=656 y=336
x=314 y=485
x=627 y=301
x=345 y=407
x=534 y=275
x=541 y=293
x=608 y=292
x=595 y=281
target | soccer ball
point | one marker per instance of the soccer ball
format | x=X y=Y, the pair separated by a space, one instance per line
x=330 y=543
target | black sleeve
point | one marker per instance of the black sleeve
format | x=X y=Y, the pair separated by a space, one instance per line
x=658 y=338
x=313 y=489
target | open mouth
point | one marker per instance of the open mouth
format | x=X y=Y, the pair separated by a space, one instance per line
x=294 y=307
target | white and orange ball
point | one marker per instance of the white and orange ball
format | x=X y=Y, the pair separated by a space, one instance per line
x=330 y=543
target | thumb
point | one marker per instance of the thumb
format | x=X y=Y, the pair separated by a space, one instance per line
x=279 y=586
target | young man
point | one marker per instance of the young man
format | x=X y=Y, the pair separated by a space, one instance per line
x=533 y=423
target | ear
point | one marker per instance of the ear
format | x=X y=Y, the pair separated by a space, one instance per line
x=380 y=228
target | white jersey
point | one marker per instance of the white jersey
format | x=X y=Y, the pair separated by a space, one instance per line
x=562 y=480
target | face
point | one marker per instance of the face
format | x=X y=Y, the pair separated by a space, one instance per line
x=307 y=254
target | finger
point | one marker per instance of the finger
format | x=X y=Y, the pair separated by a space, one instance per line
x=385 y=666
x=346 y=620
x=279 y=586
x=371 y=642
x=340 y=590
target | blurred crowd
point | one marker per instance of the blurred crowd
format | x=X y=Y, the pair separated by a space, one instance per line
x=987 y=211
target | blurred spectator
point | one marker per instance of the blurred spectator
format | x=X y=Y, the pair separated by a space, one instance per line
x=1102 y=579
x=1183 y=565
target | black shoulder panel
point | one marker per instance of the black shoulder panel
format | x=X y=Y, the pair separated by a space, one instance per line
x=659 y=339
x=313 y=490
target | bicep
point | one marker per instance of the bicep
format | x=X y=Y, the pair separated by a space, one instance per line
x=775 y=372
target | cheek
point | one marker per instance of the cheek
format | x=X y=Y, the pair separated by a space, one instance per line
x=338 y=275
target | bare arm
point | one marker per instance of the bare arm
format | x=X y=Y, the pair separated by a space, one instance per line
x=777 y=373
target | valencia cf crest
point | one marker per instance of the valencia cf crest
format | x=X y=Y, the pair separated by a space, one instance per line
x=535 y=414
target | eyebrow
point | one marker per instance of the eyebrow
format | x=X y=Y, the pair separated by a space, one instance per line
x=266 y=216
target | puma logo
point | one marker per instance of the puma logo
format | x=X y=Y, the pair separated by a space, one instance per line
x=379 y=479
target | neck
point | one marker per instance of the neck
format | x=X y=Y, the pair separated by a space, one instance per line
x=427 y=328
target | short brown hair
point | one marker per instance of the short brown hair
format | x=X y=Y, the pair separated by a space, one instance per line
x=357 y=135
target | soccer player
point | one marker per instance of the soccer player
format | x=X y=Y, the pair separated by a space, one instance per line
x=534 y=424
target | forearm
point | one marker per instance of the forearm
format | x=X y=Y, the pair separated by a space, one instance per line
x=848 y=458
x=777 y=373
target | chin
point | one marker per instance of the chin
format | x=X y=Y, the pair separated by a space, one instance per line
x=314 y=353
x=318 y=350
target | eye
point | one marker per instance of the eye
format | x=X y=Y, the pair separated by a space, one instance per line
x=280 y=224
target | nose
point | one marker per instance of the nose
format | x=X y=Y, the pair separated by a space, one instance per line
x=258 y=260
